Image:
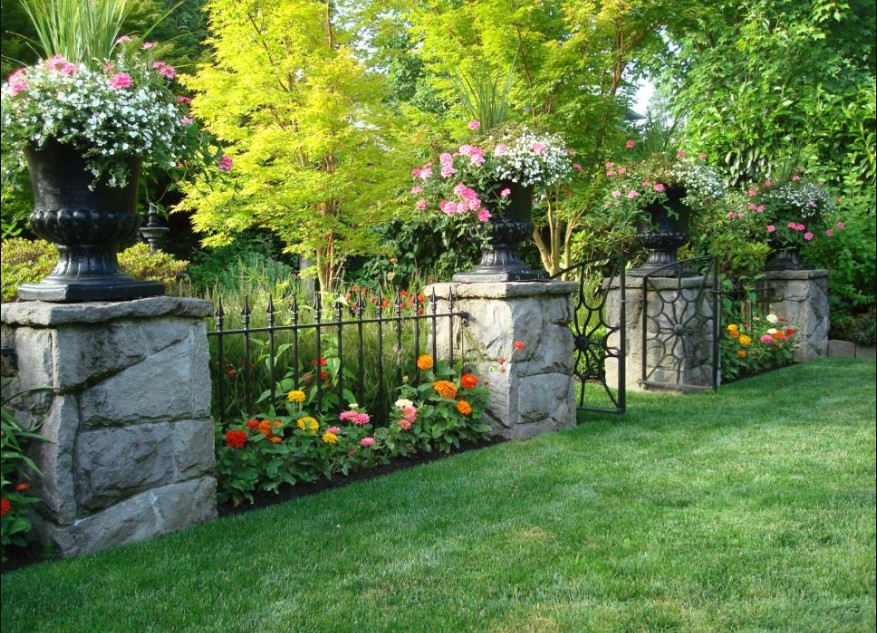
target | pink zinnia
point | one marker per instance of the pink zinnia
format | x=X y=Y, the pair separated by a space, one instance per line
x=500 y=150
x=731 y=215
x=610 y=173
x=751 y=206
x=760 y=208
x=474 y=125
x=415 y=173
x=334 y=429
x=426 y=172
x=629 y=144
x=792 y=225
x=120 y=81
x=416 y=189
x=410 y=414
x=465 y=150
x=420 y=205
x=225 y=163
x=841 y=225
x=771 y=228
x=633 y=193
x=404 y=424
x=808 y=236
x=447 y=170
x=484 y=215
x=622 y=170
x=659 y=187
x=539 y=148
x=366 y=442
x=752 y=193
x=767 y=339
x=505 y=193
x=445 y=158
x=829 y=233
x=576 y=166
x=477 y=156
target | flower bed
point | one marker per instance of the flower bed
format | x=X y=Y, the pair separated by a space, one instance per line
x=297 y=440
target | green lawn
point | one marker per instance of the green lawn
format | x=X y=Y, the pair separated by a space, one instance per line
x=752 y=509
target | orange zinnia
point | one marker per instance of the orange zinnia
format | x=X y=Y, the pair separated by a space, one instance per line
x=265 y=427
x=741 y=354
x=733 y=333
x=464 y=407
x=468 y=381
x=424 y=362
x=445 y=389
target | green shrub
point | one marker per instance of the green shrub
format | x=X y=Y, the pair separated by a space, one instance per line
x=16 y=468
x=28 y=261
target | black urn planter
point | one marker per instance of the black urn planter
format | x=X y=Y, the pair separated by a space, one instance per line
x=663 y=233
x=499 y=256
x=784 y=258
x=87 y=227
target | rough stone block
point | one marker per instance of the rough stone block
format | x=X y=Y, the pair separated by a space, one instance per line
x=116 y=463
x=193 y=448
x=841 y=348
x=159 y=388
x=88 y=353
x=148 y=514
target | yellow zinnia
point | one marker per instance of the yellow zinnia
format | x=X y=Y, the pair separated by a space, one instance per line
x=330 y=438
x=308 y=424
x=296 y=396
x=745 y=340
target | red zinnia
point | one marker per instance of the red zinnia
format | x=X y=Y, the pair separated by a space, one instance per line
x=5 y=507
x=468 y=381
x=252 y=423
x=235 y=438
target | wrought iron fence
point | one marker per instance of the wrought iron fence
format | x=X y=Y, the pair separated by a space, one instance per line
x=358 y=336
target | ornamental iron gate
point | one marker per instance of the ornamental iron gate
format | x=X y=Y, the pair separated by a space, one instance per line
x=597 y=340
x=681 y=321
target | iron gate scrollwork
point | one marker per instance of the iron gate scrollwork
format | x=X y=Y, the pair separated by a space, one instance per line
x=598 y=337
x=681 y=320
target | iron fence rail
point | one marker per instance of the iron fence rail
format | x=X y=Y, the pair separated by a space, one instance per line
x=407 y=321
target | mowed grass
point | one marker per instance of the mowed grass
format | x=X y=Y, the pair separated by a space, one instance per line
x=752 y=509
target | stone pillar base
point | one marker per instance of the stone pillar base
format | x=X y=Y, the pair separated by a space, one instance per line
x=532 y=390
x=126 y=411
x=801 y=296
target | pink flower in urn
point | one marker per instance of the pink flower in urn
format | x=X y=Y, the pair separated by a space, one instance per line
x=416 y=189
x=680 y=153
x=120 y=81
x=659 y=187
x=184 y=100
x=539 y=148
x=752 y=193
x=446 y=158
x=421 y=204
x=484 y=215
x=473 y=125
x=616 y=194
x=829 y=233
x=841 y=226
x=771 y=228
x=808 y=236
x=148 y=45
x=426 y=172
x=576 y=166
x=768 y=183
x=630 y=144
x=447 y=170
x=500 y=150
x=796 y=178
x=16 y=81
x=122 y=39
x=633 y=193
x=505 y=193
x=702 y=156
x=415 y=173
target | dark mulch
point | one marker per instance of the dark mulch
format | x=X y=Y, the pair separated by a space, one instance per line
x=18 y=557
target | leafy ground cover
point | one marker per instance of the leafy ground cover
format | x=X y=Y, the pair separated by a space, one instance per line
x=752 y=509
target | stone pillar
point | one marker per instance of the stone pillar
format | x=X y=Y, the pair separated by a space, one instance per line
x=679 y=332
x=126 y=411
x=532 y=390
x=801 y=296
